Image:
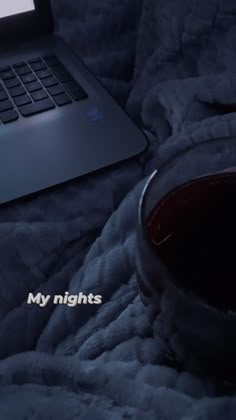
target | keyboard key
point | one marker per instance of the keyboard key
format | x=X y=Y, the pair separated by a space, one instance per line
x=40 y=95
x=32 y=87
x=78 y=94
x=8 y=116
x=5 y=106
x=56 y=90
x=12 y=83
x=36 y=107
x=39 y=65
x=17 y=91
x=22 y=100
x=3 y=95
x=62 y=74
x=23 y=70
x=50 y=81
x=7 y=74
x=75 y=90
x=35 y=60
x=71 y=85
x=51 y=60
x=4 y=68
x=20 y=64
x=43 y=74
x=62 y=99
x=28 y=78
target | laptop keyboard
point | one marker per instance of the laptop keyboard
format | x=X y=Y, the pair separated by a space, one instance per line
x=39 y=85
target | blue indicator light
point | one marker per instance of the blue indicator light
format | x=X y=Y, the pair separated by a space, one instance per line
x=95 y=115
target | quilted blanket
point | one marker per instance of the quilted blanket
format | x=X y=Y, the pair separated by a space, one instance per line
x=166 y=62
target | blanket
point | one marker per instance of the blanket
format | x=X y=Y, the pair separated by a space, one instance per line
x=167 y=63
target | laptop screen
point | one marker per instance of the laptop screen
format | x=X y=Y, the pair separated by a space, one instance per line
x=14 y=7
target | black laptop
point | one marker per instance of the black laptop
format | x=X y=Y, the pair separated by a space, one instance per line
x=57 y=122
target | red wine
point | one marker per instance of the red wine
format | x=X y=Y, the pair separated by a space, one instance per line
x=193 y=230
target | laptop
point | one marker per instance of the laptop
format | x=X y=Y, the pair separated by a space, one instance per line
x=57 y=122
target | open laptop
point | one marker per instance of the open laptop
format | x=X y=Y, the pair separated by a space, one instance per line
x=57 y=122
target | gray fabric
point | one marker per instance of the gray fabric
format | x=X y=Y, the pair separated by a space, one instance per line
x=166 y=62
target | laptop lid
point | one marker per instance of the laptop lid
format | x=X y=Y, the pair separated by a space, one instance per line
x=20 y=18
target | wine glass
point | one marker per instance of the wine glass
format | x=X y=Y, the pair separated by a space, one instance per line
x=185 y=257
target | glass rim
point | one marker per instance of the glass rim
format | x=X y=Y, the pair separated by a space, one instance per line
x=155 y=176
x=157 y=173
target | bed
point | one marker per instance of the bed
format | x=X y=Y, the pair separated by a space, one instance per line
x=166 y=62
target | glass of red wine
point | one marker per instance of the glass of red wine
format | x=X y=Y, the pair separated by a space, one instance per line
x=185 y=256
